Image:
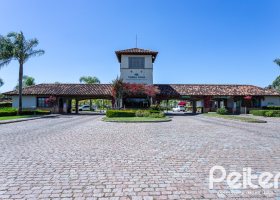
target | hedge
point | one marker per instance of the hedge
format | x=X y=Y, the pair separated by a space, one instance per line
x=154 y=111
x=149 y=113
x=120 y=113
x=271 y=107
x=266 y=113
x=7 y=112
x=13 y=111
x=5 y=104
x=35 y=112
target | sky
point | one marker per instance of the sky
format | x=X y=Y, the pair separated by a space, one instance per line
x=199 y=41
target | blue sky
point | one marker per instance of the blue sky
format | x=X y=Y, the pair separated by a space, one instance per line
x=199 y=41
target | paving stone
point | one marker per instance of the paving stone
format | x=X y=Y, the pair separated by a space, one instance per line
x=82 y=157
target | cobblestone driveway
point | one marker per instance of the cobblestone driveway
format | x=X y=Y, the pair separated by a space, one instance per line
x=82 y=157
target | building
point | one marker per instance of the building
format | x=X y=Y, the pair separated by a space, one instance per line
x=136 y=66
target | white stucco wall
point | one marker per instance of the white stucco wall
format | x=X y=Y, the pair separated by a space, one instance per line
x=137 y=75
x=148 y=60
x=270 y=101
x=27 y=101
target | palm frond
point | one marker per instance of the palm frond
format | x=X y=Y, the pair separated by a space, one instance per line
x=15 y=46
x=33 y=53
x=1 y=82
x=4 y=62
x=12 y=34
x=36 y=53
x=277 y=61
x=30 y=44
x=6 y=50
x=89 y=80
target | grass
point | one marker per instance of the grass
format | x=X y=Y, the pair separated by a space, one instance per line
x=15 y=117
x=136 y=119
x=236 y=118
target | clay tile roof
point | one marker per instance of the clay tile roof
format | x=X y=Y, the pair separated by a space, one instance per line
x=214 y=90
x=83 y=90
x=136 y=51
x=174 y=90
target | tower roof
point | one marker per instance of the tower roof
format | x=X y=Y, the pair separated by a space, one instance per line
x=136 y=51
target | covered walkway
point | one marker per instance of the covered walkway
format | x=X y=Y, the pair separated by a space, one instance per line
x=233 y=97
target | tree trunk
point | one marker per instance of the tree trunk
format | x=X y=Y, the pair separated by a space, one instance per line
x=20 y=88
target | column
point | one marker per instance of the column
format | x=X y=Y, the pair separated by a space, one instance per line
x=69 y=105
x=77 y=106
x=194 y=106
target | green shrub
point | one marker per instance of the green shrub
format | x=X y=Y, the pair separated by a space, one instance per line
x=43 y=112
x=35 y=112
x=13 y=111
x=266 y=113
x=222 y=111
x=139 y=113
x=143 y=113
x=157 y=115
x=7 y=111
x=146 y=113
x=156 y=107
x=120 y=113
x=271 y=107
x=133 y=113
x=154 y=111
x=5 y=104
x=269 y=114
x=258 y=112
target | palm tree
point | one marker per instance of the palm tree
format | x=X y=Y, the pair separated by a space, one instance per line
x=277 y=61
x=90 y=80
x=26 y=81
x=1 y=82
x=14 y=46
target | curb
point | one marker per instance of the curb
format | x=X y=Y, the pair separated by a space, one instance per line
x=168 y=120
x=28 y=119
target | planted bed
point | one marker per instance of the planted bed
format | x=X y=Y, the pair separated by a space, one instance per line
x=135 y=116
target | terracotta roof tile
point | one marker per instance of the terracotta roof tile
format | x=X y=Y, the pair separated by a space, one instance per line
x=136 y=51
x=83 y=90
x=105 y=90
x=214 y=90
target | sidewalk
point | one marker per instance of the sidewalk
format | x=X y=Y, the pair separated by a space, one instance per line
x=28 y=119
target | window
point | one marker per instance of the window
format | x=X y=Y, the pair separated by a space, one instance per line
x=136 y=62
x=41 y=102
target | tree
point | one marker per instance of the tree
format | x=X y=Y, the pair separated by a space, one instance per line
x=14 y=46
x=1 y=82
x=51 y=101
x=90 y=80
x=29 y=81
x=277 y=61
x=276 y=83
x=26 y=81
x=118 y=92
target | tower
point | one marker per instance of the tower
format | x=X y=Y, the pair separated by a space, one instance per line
x=136 y=65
